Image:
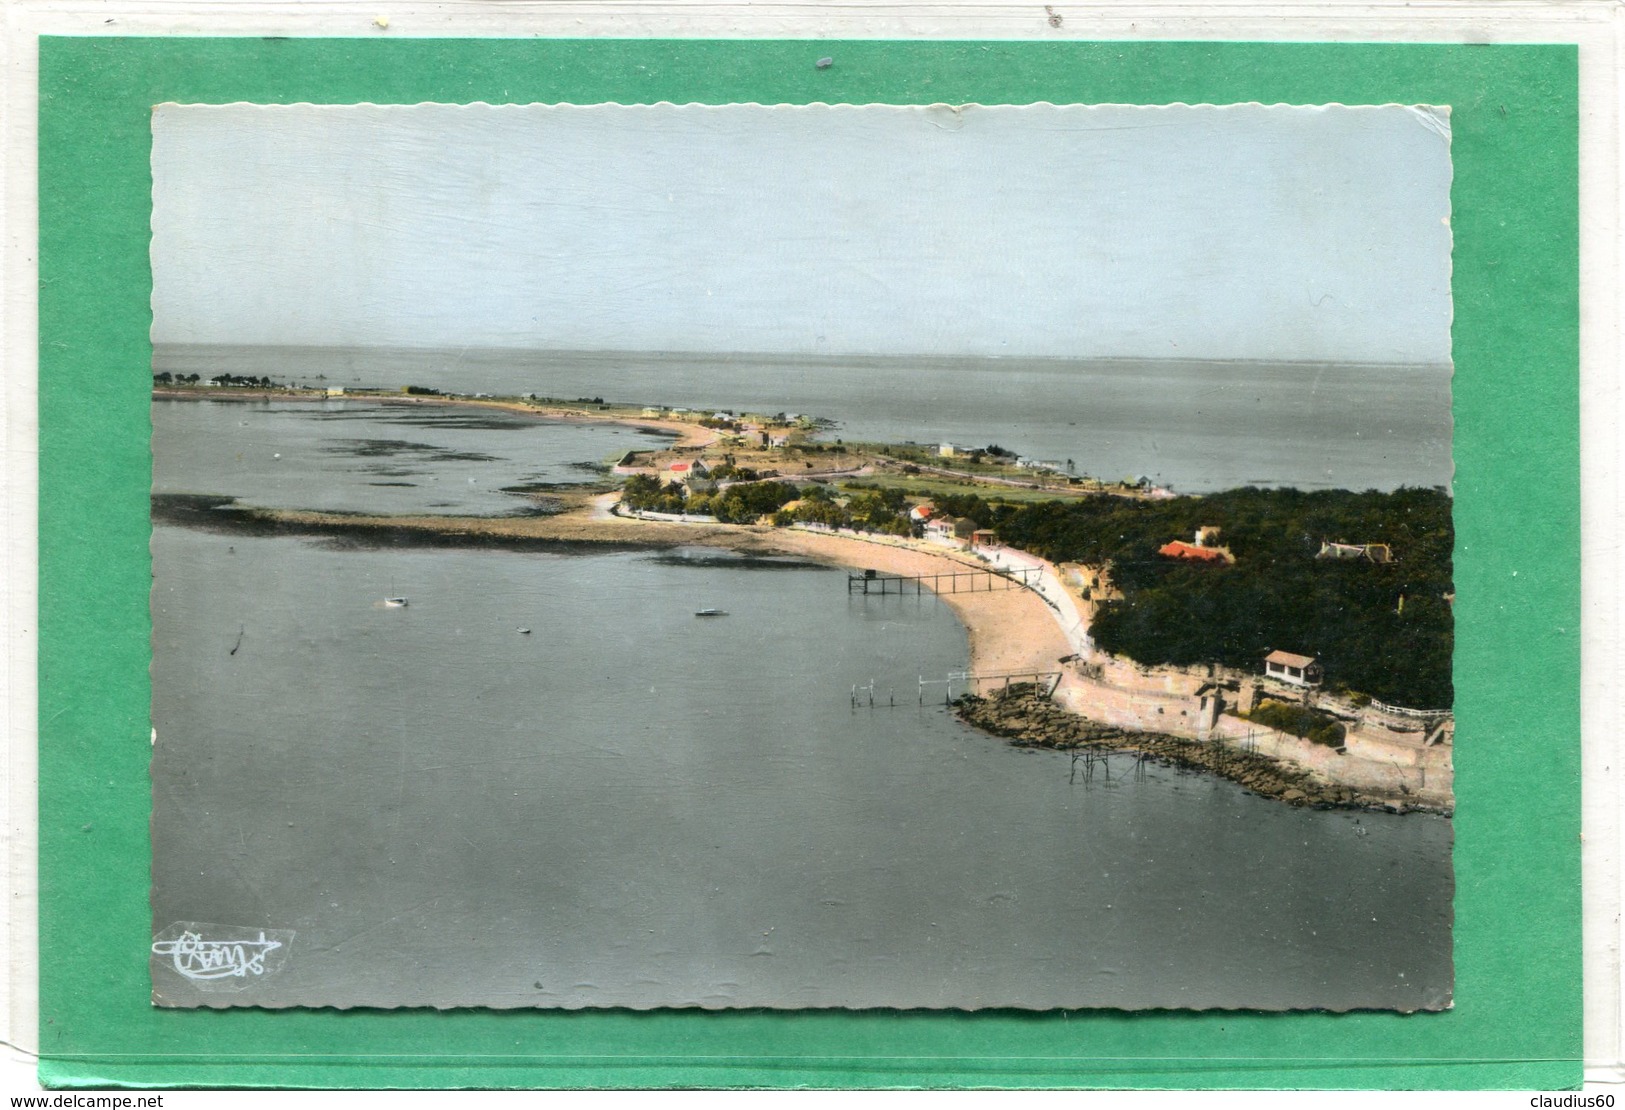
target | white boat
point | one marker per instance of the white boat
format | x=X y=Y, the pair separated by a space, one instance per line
x=710 y=613
x=394 y=603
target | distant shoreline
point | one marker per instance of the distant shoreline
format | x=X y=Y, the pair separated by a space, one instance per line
x=543 y=355
x=685 y=435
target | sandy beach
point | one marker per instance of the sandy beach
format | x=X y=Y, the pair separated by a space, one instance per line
x=1010 y=629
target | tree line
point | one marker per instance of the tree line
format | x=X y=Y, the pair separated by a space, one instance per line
x=782 y=502
x=166 y=378
x=1385 y=630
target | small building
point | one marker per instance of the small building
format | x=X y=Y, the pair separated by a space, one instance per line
x=941 y=529
x=332 y=390
x=919 y=514
x=947 y=451
x=650 y=410
x=1295 y=670
x=689 y=471
x=984 y=537
x=1207 y=536
x=1369 y=552
x=1179 y=549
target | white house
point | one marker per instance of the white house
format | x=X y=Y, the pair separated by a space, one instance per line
x=1295 y=670
x=940 y=529
x=1370 y=552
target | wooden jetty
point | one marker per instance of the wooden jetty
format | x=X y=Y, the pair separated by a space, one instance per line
x=1044 y=683
x=952 y=582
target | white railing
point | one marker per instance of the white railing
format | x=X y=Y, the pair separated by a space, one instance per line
x=1401 y=711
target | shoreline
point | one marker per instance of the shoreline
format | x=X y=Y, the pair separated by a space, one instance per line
x=1010 y=632
x=1030 y=722
x=683 y=434
x=1007 y=630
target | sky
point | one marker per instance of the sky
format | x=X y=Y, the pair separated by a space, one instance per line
x=1241 y=232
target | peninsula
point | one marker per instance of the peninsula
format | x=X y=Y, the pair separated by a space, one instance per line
x=1056 y=599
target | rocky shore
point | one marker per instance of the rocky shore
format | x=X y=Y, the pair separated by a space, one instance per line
x=1027 y=718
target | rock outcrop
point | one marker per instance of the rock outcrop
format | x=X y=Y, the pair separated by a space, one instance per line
x=1023 y=715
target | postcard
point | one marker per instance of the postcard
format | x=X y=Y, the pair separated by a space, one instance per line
x=824 y=556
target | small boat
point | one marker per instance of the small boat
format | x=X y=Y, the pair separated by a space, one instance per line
x=394 y=603
x=710 y=613
x=523 y=631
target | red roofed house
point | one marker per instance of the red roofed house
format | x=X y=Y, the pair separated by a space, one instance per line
x=1298 y=670
x=1179 y=549
x=689 y=471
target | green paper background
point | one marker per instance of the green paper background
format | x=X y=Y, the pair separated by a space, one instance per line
x=1516 y=1022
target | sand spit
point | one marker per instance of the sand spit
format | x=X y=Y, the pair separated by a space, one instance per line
x=683 y=434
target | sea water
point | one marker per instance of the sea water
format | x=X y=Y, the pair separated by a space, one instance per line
x=630 y=805
x=361 y=456
x=1193 y=426
x=634 y=806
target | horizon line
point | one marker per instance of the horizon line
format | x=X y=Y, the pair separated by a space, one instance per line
x=821 y=356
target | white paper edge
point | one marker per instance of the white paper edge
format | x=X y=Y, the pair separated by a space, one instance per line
x=1592 y=24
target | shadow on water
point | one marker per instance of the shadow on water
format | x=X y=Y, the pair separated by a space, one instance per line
x=395 y=448
x=440 y=416
x=731 y=562
x=206 y=512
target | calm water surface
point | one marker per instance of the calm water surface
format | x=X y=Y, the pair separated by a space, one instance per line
x=632 y=806
x=366 y=457
x=1195 y=426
